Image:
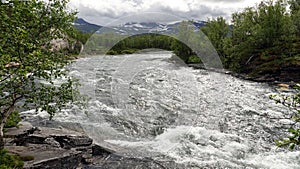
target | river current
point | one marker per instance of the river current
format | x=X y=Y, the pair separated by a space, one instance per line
x=153 y=105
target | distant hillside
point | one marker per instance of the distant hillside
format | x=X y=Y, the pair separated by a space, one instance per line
x=85 y=26
x=132 y=28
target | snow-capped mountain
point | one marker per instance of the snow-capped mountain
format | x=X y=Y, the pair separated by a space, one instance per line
x=149 y=27
x=131 y=28
x=85 y=26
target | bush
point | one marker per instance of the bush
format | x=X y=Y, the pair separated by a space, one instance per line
x=194 y=59
x=112 y=52
x=293 y=103
x=8 y=161
x=13 y=120
x=128 y=51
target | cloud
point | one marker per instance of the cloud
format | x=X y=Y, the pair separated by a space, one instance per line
x=105 y=11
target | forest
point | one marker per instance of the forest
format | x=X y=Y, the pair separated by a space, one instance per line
x=261 y=41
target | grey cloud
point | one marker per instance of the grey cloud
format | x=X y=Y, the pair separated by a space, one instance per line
x=197 y=9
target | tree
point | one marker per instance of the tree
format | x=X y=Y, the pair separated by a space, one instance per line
x=274 y=24
x=257 y=29
x=185 y=34
x=28 y=63
x=295 y=13
x=217 y=31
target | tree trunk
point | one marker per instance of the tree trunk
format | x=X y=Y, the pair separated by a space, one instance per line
x=1 y=142
x=3 y=122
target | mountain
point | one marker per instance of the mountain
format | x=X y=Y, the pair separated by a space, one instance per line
x=85 y=26
x=132 y=28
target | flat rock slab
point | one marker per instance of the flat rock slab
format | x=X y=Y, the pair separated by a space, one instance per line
x=23 y=129
x=47 y=157
x=57 y=137
x=46 y=131
x=114 y=161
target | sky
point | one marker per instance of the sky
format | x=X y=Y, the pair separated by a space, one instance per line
x=115 y=12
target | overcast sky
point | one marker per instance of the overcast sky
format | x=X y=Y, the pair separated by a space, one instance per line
x=104 y=12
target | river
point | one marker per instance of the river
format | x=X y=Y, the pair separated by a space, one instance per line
x=153 y=105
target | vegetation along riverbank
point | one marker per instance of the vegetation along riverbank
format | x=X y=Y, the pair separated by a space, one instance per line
x=38 y=39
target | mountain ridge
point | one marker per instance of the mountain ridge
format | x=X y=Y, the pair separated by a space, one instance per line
x=132 y=28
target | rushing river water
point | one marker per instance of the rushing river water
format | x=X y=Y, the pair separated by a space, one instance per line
x=152 y=105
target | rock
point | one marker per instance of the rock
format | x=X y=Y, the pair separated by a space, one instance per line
x=100 y=150
x=59 y=148
x=283 y=85
x=50 y=147
x=197 y=66
x=58 y=44
x=116 y=161
x=45 y=157
x=52 y=142
x=38 y=121
x=66 y=138
x=23 y=129
x=19 y=134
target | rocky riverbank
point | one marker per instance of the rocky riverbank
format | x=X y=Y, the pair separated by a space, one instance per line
x=59 y=147
x=288 y=75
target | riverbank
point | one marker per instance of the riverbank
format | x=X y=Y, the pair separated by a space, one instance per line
x=259 y=70
x=53 y=144
x=267 y=78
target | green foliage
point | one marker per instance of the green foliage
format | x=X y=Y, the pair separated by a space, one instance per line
x=217 y=32
x=295 y=14
x=13 y=120
x=194 y=59
x=144 y=41
x=80 y=36
x=78 y=39
x=8 y=161
x=293 y=103
x=185 y=37
x=29 y=65
x=256 y=29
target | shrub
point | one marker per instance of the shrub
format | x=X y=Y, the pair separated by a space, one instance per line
x=13 y=120
x=293 y=103
x=8 y=161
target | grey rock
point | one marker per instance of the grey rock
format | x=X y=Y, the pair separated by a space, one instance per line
x=52 y=142
x=115 y=161
x=46 y=157
x=66 y=138
x=101 y=150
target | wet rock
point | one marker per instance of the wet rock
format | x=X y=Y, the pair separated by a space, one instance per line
x=66 y=138
x=116 y=161
x=24 y=129
x=45 y=157
x=38 y=121
x=50 y=147
x=100 y=150
x=52 y=142
x=60 y=148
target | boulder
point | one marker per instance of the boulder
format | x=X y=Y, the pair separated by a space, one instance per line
x=24 y=128
x=49 y=147
x=65 y=138
x=98 y=150
x=60 y=148
x=45 y=157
